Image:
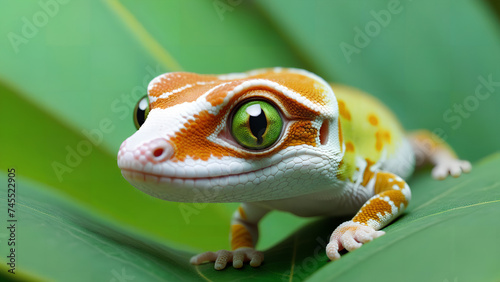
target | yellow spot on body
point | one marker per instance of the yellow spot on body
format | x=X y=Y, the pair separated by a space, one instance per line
x=362 y=116
x=349 y=147
x=381 y=137
x=373 y=120
x=387 y=136
x=344 y=112
x=378 y=142
x=240 y=237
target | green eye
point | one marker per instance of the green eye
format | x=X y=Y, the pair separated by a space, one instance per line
x=141 y=111
x=256 y=125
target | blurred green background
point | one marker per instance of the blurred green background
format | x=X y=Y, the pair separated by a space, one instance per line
x=71 y=72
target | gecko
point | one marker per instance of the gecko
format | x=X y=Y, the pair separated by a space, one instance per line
x=277 y=139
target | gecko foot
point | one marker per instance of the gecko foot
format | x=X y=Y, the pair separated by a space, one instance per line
x=222 y=257
x=350 y=236
x=450 y=166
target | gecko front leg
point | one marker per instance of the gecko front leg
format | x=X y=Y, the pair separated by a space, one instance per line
x=244 y=236
x=392 y=196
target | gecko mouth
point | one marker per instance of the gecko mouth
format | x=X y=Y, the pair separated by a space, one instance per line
x=267 y=179
x=136 y=176
x=254 y=175
x=202 y=189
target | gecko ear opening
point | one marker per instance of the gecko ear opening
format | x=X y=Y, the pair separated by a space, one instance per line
x=323 y=132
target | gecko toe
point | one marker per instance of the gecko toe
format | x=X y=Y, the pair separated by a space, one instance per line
x=349 y=242
x=450 y=166
x=455 y=170
x=256 y=259
x=364 y=236
x=466 y=166
x=223 y=257
x=439 y=172
x=238 y=259
x=350 y=236
x=332 y=251
x=201 y=258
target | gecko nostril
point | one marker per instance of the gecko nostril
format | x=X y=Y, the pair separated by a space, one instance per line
x=158 y=152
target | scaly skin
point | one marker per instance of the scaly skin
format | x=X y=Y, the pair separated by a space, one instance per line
x=316 y=154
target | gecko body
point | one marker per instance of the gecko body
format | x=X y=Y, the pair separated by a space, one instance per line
x=277 y=139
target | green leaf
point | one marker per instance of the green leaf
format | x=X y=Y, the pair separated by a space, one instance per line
x=449 y=230
x=56 y=241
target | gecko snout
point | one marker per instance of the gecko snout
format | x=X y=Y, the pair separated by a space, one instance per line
x=154 y=151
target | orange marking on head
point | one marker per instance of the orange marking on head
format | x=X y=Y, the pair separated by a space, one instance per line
x=193 y=142
x=240 y=237
x=343 y=111
x=199 y=84
x=303 y=134
x=301 y=84
x=242 y=213
x=294 y=108
x=305 y=86
x=175 y=80
x=216 y=97
x=373 y=120
x=187 y=95
x=194 y=85
x=349 y=147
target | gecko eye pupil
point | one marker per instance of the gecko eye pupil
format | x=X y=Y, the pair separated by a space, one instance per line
x=141 y=112
x=256 y=125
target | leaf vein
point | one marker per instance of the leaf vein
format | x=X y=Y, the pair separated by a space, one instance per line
x=145 y=38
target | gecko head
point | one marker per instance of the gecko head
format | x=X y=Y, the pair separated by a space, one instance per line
x=262 y=135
